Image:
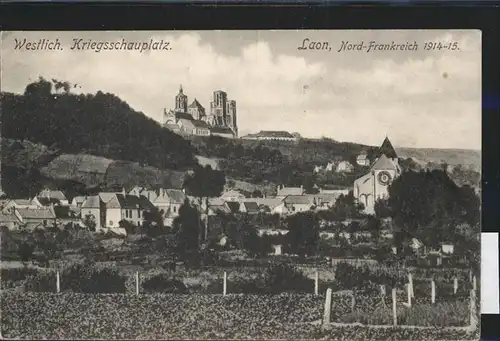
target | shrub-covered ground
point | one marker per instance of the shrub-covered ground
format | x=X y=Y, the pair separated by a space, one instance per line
x=170 y=316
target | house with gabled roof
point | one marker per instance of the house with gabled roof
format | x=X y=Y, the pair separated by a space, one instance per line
x=126 y=207
x=94 y=209
x=299 y=203
x=169 y=201
x=52 y=196
x=20 y=203
x=78 y=201
x=362 y=159
x=39 y=218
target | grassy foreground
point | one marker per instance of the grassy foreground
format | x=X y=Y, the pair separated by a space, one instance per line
x=168 y=316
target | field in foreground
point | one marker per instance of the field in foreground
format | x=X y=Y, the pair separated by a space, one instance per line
x=169 y=316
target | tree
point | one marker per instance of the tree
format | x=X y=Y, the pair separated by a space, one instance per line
x=374 y=225
x=186 y=230
x=89 y=222
x=25 y=251
x=303 y=235
x=204 y=183
x=429 y=206
x=256 y=194
x=346 y=207
x=153 y=222
x=382 y=209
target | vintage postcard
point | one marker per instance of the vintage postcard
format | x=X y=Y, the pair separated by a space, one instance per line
x=298 y=184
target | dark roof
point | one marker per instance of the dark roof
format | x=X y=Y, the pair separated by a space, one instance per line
x=387 y=149
x=233 y=206
x=273 y=134
x=44 y=201
x=221 y=130
x=196 y=104
x=65 y=212
x=184 y=115
x=200 y=124
x=251 y=206
x=129 y=202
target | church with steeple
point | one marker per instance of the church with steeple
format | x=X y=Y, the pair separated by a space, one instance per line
x=192 y=119
x=375 y=184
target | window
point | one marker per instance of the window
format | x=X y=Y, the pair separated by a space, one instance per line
x=175 y=209
x=45 y=222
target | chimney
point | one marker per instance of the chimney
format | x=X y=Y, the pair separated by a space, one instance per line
x=184 y=190
x=301 y=187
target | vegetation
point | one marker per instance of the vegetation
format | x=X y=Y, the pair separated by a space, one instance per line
x=83 y=278
x=100 y=124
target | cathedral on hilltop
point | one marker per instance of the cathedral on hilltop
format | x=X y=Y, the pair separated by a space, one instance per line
x=375 y=184
x=192 y=119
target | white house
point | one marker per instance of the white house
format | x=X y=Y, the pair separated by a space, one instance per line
x=344 y=167
x=126 y=207
x=299 y=203
x=362 y=159
x=95 y=210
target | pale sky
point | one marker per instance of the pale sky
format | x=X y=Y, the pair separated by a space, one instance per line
x=423 y=99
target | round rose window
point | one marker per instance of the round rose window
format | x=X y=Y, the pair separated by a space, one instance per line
x=384 y=178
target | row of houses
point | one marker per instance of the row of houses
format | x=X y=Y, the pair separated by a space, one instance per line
x=289 y=200
x=108 y=209
x=105 y=209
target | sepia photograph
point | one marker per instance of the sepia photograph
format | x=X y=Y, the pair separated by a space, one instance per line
x=240 y=185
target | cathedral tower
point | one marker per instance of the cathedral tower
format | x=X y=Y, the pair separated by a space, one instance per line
x=218 y=108
x=181 y=101
x=231 y=117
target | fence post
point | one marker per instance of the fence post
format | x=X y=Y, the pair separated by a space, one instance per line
x=410 y=280
x=316 y=284
x=328 y=307
x=473 y=320
x=455 y=285
x=474 y=284
x=58 y=282
x=433 y=291
x=353 y=300
x=137 y=282
x=394 y=310
x=382 y=289
x=409 y=294
x=224 y=284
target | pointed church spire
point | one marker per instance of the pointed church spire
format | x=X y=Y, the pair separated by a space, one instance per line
x=180 y=89
x=387 y=149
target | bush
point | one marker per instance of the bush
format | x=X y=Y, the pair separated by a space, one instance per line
x=10 y=276
x=163 y=283
x=83 y=278
x=282 y=277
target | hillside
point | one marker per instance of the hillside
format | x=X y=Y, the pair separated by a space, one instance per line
x=101 y=125
x=468 y=158
x=27 y=167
